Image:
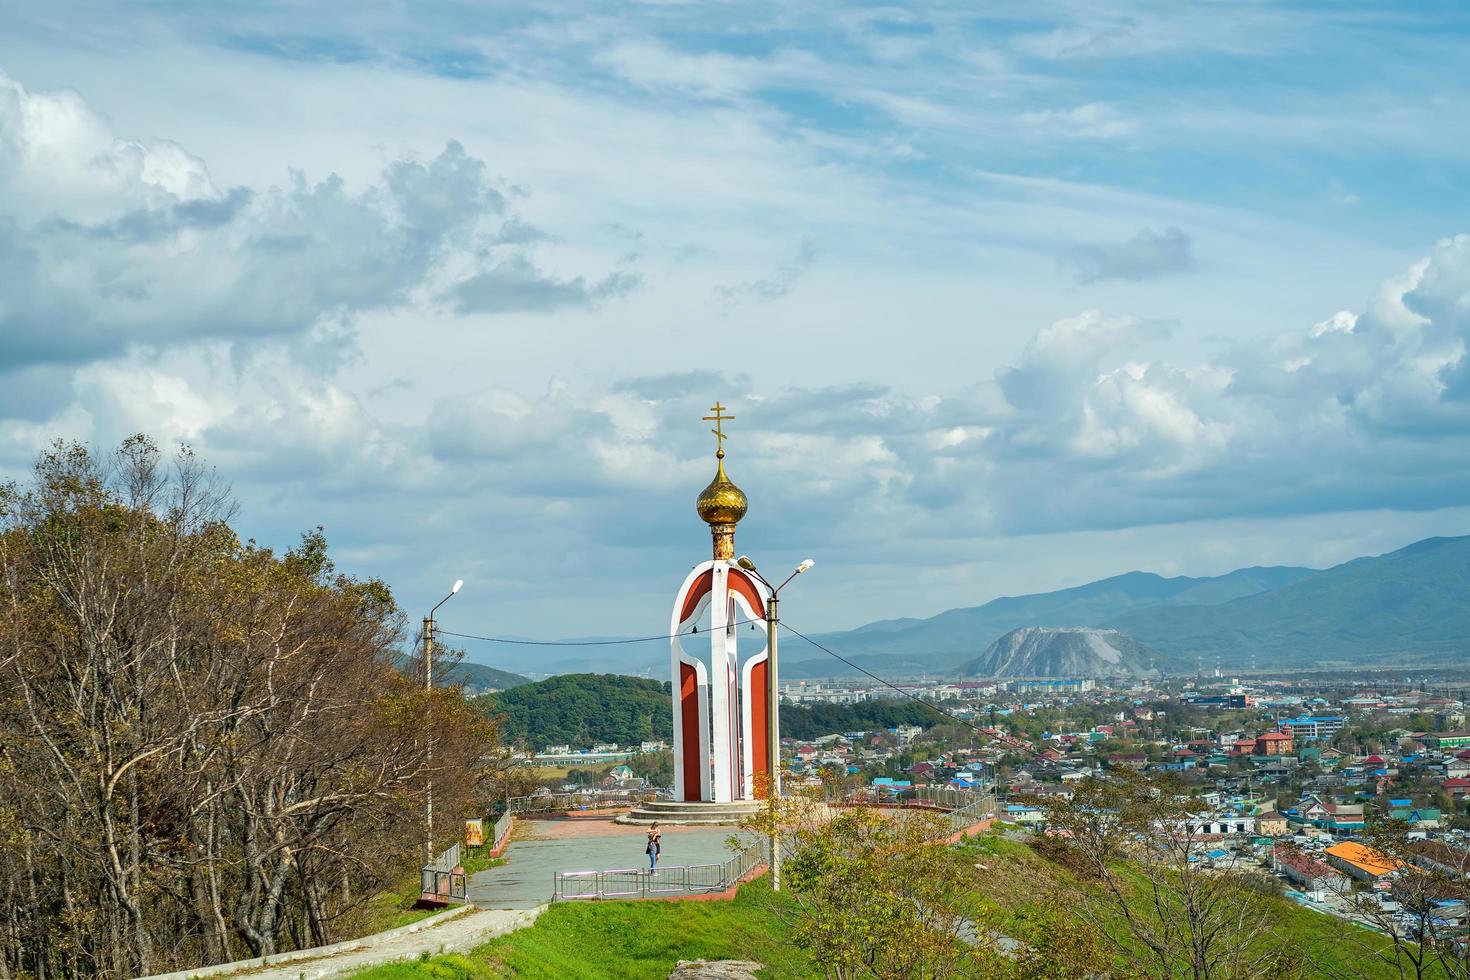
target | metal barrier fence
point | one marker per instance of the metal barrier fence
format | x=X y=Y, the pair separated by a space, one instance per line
x=579 y=801
x=501 y=828
x=693 y=879
x=981 y=808
x=441 y=879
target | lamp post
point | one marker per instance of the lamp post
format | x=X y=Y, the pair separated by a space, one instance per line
x=429 y=690
x=773 y=695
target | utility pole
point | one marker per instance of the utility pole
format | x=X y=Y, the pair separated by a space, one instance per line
x=773 y=727
x=428 y=702
x=773 y=694
x=429 y=693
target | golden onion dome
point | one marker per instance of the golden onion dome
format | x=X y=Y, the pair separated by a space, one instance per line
x=722 y=502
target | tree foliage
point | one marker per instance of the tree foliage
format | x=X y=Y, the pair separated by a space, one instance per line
x=583 y=709
x=876 y=893
x=812 y=721
x=206 y=749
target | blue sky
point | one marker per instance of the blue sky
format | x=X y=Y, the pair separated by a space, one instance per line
x=1005 y=297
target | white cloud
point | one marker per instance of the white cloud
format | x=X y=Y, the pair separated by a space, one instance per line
x=109 y=243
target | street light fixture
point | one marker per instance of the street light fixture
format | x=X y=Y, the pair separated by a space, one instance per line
x=429 y=690
x=773 y=624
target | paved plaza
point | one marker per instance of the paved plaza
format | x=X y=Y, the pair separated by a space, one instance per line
x=539 y=848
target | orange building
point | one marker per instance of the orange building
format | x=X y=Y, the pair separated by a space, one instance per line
x=1361 y=862
x=1273 y=743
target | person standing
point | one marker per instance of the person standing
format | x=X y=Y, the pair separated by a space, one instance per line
x=653 y=846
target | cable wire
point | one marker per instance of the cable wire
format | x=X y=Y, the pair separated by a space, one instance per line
x=908 y=694
x=583 y=643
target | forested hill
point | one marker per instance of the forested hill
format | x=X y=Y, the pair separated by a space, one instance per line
x=583 y=709
x=802 y=722
x=475 y=678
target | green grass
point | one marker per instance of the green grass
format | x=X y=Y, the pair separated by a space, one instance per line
x=449 y=967
x=1335 y=946
x=627 y=940
x=475 y=863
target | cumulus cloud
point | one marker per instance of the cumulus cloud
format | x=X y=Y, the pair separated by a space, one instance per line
x=1085 y=430
x=109 y=243
x=1146 y=255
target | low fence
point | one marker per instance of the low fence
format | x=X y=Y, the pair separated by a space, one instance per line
x=444 y=879
x=667 y=882
x=977 y=810
x=554 y=802
x=501 y=828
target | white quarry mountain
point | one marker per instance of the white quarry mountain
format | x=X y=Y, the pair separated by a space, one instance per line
x=1064 y=651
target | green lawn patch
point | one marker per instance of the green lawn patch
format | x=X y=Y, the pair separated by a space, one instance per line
x=628 y=940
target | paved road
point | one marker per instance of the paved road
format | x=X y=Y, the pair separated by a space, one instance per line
x=524 y=880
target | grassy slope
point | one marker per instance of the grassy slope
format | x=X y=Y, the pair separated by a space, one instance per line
x=627 y=940
x=1339 y=948
x=646 y=939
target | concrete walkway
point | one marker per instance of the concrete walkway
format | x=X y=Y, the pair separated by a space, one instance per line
x=524 y=880
x=453 y=935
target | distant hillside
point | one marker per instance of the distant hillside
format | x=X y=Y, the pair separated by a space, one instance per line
x=1410 y=604
x=478 y=678
x=1063 y=651
x=583 y=709
x=938 y=644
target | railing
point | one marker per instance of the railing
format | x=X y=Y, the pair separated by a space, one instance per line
x=579 y=801
x=443 y=878
x=693 y=879
x=971 y=813
x=501 y=828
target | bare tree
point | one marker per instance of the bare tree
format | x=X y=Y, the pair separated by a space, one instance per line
x=1417 y=921
x=1154 y=896
x=207 y=745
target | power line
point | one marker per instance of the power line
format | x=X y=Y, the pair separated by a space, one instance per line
x=908 y=694
x=583 y=643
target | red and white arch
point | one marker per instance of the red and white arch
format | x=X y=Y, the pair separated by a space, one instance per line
x=722 y=708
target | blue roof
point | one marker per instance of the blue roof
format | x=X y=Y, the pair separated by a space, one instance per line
x=1400 y=802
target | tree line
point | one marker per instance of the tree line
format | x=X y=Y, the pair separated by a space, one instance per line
x=206 y=749
x=581 y=710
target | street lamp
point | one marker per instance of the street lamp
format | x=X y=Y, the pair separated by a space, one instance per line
x=429 y=690
x=773 y=623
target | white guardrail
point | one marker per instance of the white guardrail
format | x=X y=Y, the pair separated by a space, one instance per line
x=692 y=879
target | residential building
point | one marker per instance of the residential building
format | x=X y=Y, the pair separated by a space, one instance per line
x=1313 y=727
x=1312 y=875
x=1271 y=824
x=1446 y=740
x=1361 y=862
x=1339 y=818
x=1056 y=685
x=1272 y=743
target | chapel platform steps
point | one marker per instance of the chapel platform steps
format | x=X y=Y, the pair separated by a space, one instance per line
x=675 y=813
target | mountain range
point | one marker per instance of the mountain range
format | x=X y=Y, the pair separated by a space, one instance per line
x=1063 y=651
x=1411 y=605
x=1408 y=606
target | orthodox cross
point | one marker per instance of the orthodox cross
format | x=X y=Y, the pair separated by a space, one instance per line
x=719 y=419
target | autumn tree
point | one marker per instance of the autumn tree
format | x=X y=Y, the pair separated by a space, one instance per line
x=876 y=892
x=1429 y=878
x=1135 y=839
x=207 y=749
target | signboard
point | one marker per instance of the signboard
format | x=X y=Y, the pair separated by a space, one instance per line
x=474 y=833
